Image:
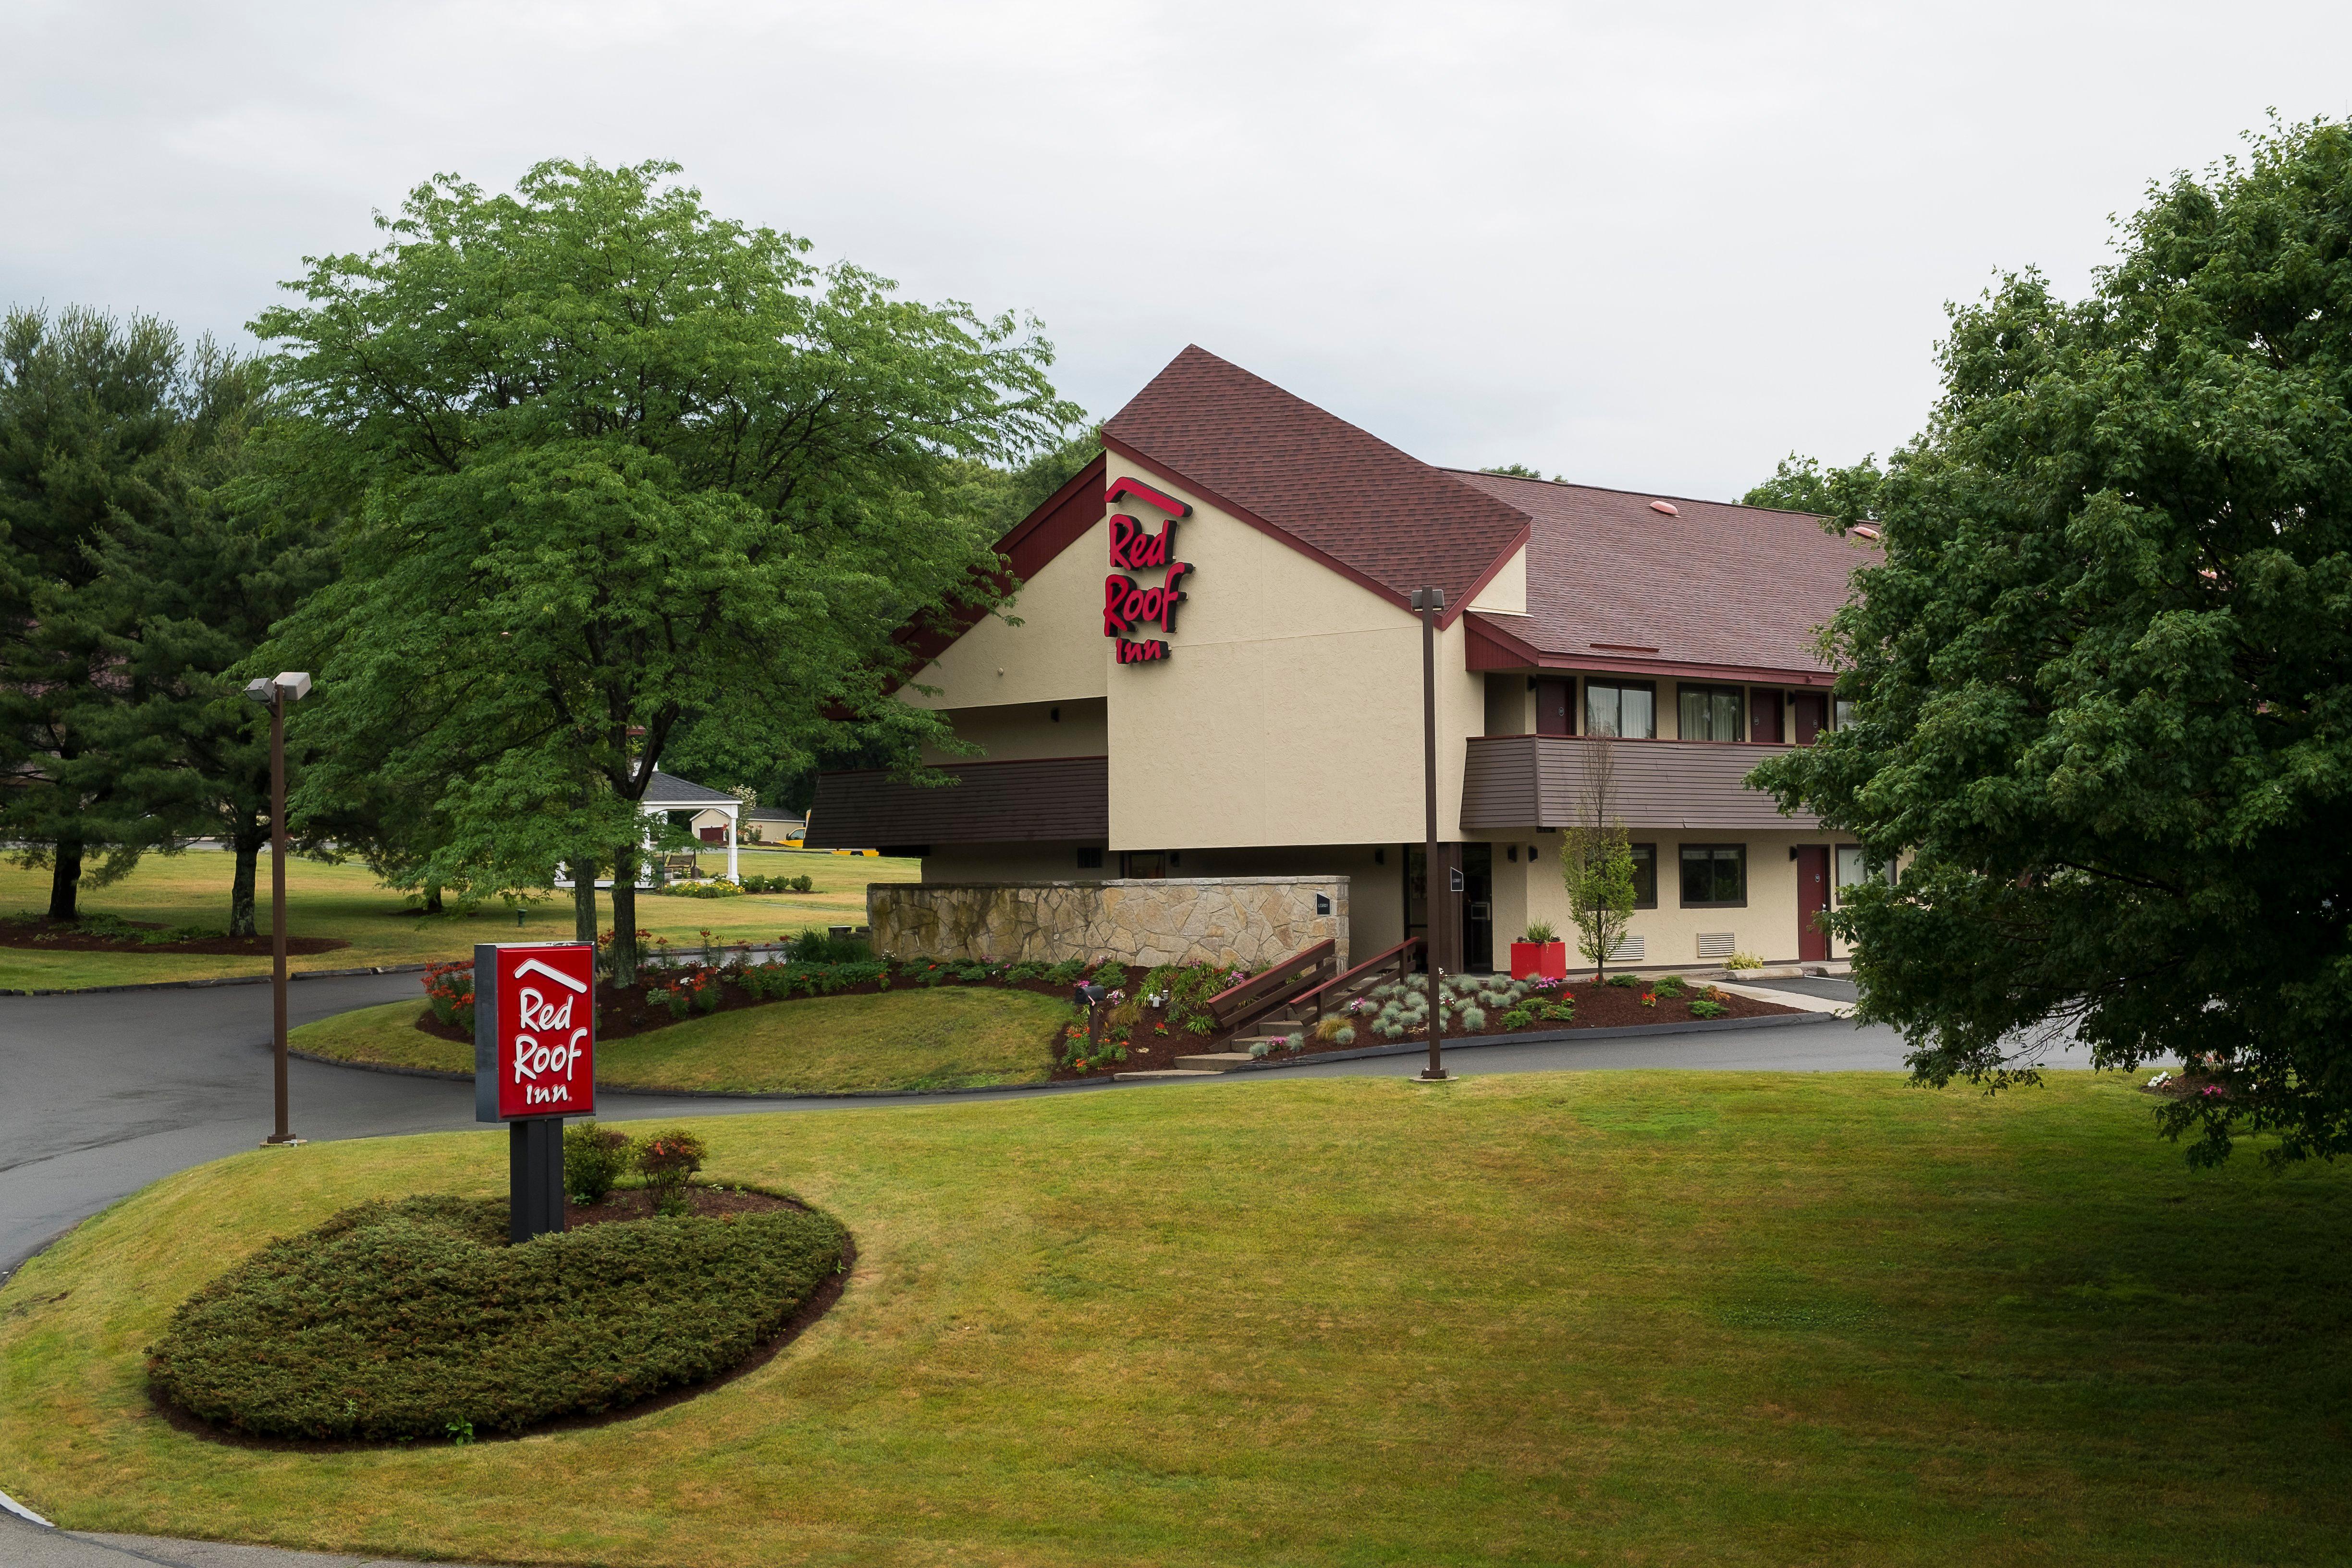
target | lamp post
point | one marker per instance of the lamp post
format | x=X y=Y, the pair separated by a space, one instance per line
x=288 y=686
x=1429 y=601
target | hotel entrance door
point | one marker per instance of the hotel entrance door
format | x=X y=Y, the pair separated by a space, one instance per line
x=1479 y=908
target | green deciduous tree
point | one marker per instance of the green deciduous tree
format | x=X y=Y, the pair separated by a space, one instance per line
x=1802 y=484
x=617 y=466
x=2102 y=675
x=1596 y=862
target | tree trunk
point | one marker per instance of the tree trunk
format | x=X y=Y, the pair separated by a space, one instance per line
x=64 y=882
x=240 y=888
x=583 y=899
x=433 y=899
x=625 y=916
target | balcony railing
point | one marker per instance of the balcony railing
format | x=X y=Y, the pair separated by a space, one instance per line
x=1548 y=781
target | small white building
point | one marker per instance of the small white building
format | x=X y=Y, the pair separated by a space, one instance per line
x=715 y=811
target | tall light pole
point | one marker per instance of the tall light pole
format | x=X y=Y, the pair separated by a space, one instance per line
x=1429 y=601
x=290 y=686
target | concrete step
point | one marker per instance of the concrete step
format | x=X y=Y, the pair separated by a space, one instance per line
x=1215 y=1061
x=1161 y=1072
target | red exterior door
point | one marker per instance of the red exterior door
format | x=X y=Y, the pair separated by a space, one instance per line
x=1813 y=901
x=1764 y=716
x=1554 y=707
x=1811 y=709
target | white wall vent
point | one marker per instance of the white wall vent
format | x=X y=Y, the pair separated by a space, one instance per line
x=1630 y=950
x=1716 y=944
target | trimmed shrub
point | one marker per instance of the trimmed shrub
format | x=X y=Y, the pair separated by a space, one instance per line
x=668 y=1161
x=449 y=991
x=1112 y=975
x=1067 y=973
x=595 y=1158
x=1703 y=1008
x=415 y=1320
x=814 y=946
x=1625 y=980
x=1518 y=1019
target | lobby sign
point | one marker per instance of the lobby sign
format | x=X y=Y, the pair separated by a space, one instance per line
x=1128 y=603
x=534 y=1030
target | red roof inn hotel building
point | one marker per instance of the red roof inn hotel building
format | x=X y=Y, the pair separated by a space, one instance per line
x=1218 y=674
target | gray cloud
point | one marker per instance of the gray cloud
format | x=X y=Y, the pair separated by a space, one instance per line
x=1654 y=246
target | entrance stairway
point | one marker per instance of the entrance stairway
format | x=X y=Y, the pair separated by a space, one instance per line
x=1288 y=999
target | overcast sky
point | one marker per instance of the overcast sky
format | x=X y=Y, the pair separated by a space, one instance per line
x=1653 y=247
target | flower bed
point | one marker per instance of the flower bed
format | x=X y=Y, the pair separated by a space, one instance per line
x=414 y=1319
x=1146 y=1021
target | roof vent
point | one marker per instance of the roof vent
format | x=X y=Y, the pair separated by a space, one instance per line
x=1665 y=506
x=1865 y=531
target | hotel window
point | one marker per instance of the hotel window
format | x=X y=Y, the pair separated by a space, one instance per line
x=1712 y=713
x=1623 y=708
x=1851 y=869
x=1645 y=875
x=1715 y=876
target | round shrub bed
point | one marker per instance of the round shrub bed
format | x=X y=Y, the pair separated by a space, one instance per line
x=415 y=1320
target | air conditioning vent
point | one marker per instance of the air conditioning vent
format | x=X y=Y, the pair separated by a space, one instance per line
x=1716 y=944
x=1630 y=950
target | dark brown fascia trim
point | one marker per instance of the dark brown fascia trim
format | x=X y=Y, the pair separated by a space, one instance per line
x=1525 y=537
x=1025 y=551
x=1093 y=474
x=1271 y=531
x=1747 y=674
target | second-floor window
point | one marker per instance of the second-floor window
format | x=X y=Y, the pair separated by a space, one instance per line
x=1625 y=708
x=1712 y=713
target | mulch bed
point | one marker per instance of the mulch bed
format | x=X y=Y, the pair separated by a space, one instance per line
x=72 y=939
x=1153 y=1041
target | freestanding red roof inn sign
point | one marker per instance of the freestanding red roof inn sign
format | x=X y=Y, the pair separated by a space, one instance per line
x=534 y=1063
x=1126 y=603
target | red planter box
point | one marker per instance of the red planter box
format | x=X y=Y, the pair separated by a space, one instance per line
x=1539 y=961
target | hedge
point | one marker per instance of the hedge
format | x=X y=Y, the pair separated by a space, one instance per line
x=398 y=1321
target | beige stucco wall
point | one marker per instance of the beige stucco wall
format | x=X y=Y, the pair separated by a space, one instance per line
x=1289 y=710
x=1249 y=920
x=1765 y=926
x=1018 y=732
x=1056 y=653
x=1505 y=592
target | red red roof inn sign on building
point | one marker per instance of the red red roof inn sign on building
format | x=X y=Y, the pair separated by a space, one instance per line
x=1126 y=603
x=534 y=1064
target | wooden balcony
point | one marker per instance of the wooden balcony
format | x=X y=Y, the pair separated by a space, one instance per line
x=1048 y=799
x=1546 y=781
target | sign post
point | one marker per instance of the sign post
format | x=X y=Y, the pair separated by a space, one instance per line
x=534 y=1064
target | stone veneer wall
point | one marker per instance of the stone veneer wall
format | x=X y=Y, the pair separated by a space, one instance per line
x=1225 y=921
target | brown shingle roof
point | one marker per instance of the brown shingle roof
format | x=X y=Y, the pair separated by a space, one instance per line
x=1388 y=519
x=1716 y=584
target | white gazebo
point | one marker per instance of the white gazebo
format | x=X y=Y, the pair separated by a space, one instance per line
x=668 y=793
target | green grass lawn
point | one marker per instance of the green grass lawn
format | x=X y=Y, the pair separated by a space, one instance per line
x=944 y=1038
x=1661 y=1317
x=346 y=901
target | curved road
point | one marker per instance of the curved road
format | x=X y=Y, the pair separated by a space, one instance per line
x=102 y=1093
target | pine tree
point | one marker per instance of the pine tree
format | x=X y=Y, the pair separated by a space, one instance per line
x=92 y=438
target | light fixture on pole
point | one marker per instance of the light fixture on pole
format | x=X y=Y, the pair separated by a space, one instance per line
x=288 y=686
x=1429 y=603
